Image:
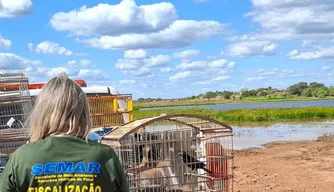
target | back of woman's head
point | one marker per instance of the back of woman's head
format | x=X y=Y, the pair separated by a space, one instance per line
x=61 y=108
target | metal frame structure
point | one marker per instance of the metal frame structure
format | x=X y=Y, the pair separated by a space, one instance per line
x=15 y=105
x=181 y=152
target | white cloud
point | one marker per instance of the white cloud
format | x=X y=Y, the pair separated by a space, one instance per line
x=326 y=68
x=222 y=53
x=93 y=74
x=126 y=81
x=47 y=47
x=181 y=75
x=178 y=34
x=186 y=53
x=31 y=47
x=196 y=65
x=256 y=78
x=318 y=53
x=221 y=78
x=10 y=61
x=287 y=20
x=135 y=54
x=274 y=73
x=51 y=72
x=133 y=64
x=201 y=82
x=4 y=43
x=200 y=65
x=14 y=8
x=125 y=17
x=37 y=72
x=144 y=85
x=138 y=73
x=71 y=63
x=127 y=26
x=251 y=48
x=210 y=81
x=293 y=53
x=86 y=63
x=221 y=63
x=166 y=70
x=138 y=63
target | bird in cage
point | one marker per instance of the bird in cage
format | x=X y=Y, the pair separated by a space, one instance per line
x=192 y=162
x=147 y=155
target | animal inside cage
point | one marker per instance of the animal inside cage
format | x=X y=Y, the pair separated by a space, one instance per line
x=175 y=153
x=15 y=105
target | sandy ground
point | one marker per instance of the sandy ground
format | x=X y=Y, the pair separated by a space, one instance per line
x=286 y=166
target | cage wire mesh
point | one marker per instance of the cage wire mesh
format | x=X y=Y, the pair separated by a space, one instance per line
x=15 y=105
x=109 y=110
x=175 y=153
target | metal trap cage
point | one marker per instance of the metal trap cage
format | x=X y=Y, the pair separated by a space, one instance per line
x=15 y=105
x=175 y=153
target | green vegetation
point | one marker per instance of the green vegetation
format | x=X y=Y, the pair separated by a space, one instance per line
x=297 y=92
x=238 y=115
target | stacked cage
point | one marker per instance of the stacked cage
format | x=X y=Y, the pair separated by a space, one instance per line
x=15 y=105
x=175 y=153
x=110 y=110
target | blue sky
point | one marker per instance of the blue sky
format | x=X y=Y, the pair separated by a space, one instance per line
x=170 y=49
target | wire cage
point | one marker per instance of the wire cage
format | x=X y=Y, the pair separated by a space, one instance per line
x=15 y=105
x=110 y=110
x=175 y=153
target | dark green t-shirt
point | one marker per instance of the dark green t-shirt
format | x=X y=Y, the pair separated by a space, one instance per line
x=63 y=164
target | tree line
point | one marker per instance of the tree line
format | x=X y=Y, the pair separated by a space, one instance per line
x=313 y=89
x=304 y=89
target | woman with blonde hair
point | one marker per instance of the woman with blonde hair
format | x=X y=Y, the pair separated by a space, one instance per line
x=59 y=156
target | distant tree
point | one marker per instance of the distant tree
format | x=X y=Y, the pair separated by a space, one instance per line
x=314 y=85
x=209 y=95
x=307 y=92
x=262 y=93
x=251 y=93
x=298 y=88
x=244 y=89
x=330 y=91
x=227 y=94
x=322 y=92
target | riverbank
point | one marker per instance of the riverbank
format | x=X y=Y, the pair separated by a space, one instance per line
x=192 y=102
x=248 y=115
x=286 y=166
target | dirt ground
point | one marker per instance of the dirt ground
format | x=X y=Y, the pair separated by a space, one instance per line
x=286 y=166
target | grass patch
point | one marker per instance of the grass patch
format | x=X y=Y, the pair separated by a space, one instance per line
x=193 y=102
x=252 y=115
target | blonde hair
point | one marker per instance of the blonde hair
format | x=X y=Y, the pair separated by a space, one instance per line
x=61 y=108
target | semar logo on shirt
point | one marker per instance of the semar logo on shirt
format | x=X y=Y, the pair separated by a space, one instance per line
x=65 y=167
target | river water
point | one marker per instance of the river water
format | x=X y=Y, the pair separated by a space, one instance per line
x=228 y=106
x=255 y=136
x=246 y=137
